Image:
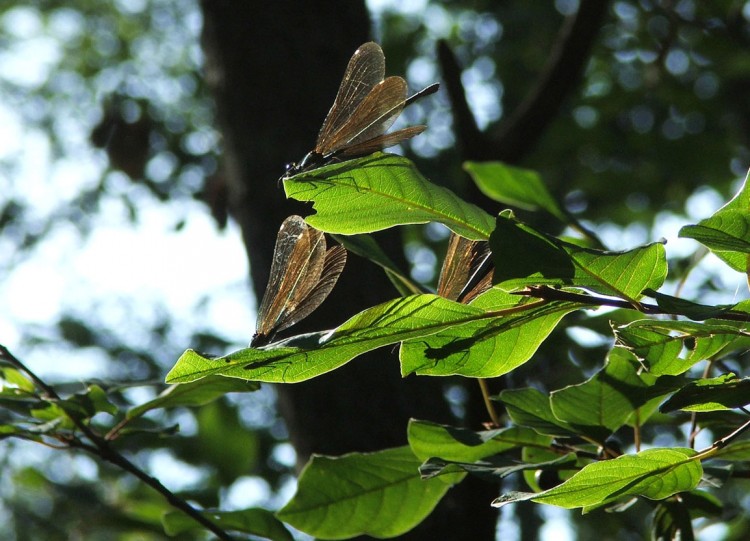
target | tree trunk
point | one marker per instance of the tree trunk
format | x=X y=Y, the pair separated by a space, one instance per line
x=274 y=68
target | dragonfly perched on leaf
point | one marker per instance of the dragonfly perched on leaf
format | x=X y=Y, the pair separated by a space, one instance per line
x=303 y=273
x=366 y=106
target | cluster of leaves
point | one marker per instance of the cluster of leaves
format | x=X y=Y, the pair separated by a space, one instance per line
x=562 y=443
x=581 y=446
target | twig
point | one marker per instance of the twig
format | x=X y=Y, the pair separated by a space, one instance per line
x=694 y=415
x=726 y=440
x=488 y=402
x=102 y=448
x=552 y=294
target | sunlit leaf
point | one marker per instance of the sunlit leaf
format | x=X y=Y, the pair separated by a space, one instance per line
x=13 y=380
x=673 y=347
x=655 y=474
x=377 y=494
x=381 y=191
x=494 y=468
x=525 y=257
x=486 y=348
x=727 y=232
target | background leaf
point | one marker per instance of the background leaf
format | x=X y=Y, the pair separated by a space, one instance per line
x=602 y=404
x=366 y=246
x=515 y=186
x=196 y=393
x=530 y=407
x=253 y=521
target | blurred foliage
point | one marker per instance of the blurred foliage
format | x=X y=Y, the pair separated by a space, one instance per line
x=112 y=106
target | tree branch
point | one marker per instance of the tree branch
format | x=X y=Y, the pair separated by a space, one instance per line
x=561 y=75
x=102 y=448
x=552 y=294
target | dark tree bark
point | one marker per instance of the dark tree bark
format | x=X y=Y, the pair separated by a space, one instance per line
x=521 y=130
x=274 y=69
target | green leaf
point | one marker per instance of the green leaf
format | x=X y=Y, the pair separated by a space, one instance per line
x=10 y=431
x=702 y=504
x=12 y=381
x=253 y=521
x=376 y=494
x=197 y=393
x=727 y=232
x=462 y=445
x=486 y=348
x=525 y=257
x=381 y=191
x=655 y=474
x=521 y=188
x=530 y=407
x=711 y=394
x=673 y=347
x=671 y=520
x=307 y=356
x=602 y=404
x=86 y=404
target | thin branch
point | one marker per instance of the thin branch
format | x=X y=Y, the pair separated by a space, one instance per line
x=694 y=415
x=551 y=294
x=723 y=442
x=488 y=402
x=102 y=448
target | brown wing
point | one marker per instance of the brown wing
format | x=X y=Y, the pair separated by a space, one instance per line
x=335 y=260
x=372 y=118
x=466 y=271
x=365 y=70
x=298 y=260
x=367 y=145
x=383 y=141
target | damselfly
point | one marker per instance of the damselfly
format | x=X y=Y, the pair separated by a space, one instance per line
x=303 y=273
x=366 y=105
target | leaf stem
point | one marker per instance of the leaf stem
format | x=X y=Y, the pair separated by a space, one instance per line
x=488 y=402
